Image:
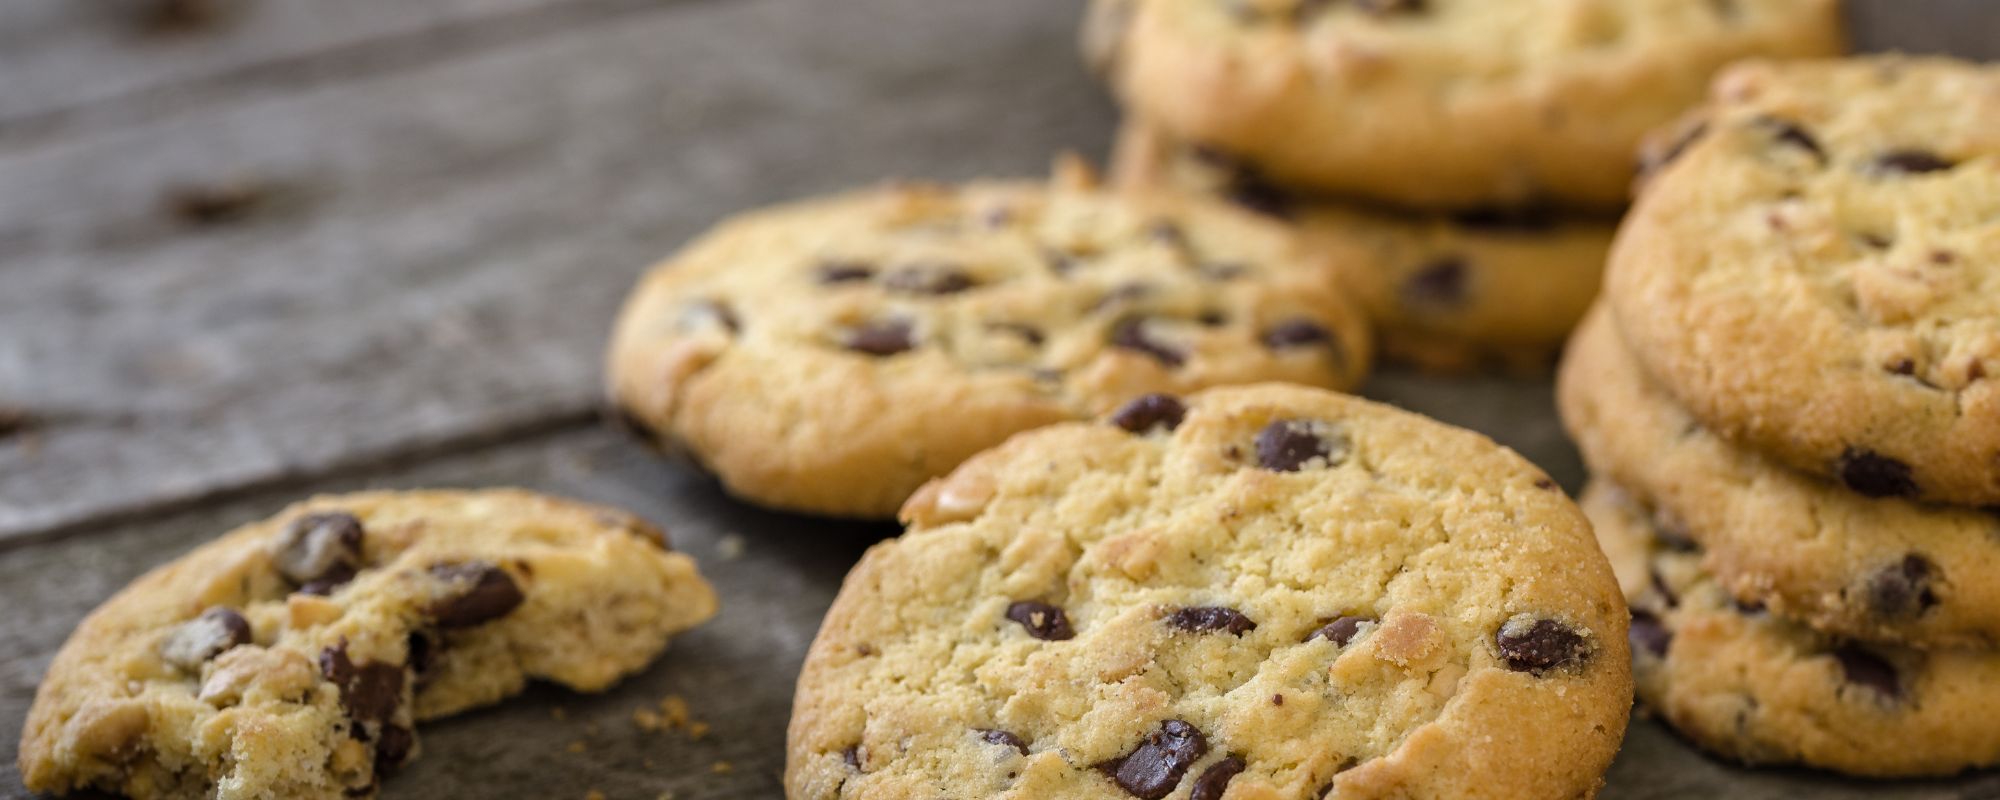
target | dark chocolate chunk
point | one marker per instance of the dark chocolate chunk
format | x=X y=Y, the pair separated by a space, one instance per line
x=1540 y=645
x=1868 y=670
x=1156 y=766
x=929 y=279
x=852 y=755
x=423 y=656
x=1791 y=133
x=1903 y=589
x=1439 y=284
x=197 y=640
x=1289 y=445
x=1212 y=781
x=1875 y=475
x=1150 y=411
x=1908 y=162
x=1131 y=334
x=1042 y=621
x=880 y=338
x=369 y=692
x=318 y=546
x=476 y=592
x=1341 y=630
x=831 y=272
x=1295 y=333
x=392 y=748
x=1203 y=619
x=1003 y=738
x=1648 y=634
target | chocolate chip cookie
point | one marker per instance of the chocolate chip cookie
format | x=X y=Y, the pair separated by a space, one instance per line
x=1438 y=103
x=1263 y=591
x=1447 y=292
x=1880 y=569
x=832 y=355
x=292 y=657
x=1757 y=687
x=1812 y=270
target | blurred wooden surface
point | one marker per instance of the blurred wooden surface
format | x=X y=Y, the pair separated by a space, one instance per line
x=254 y=249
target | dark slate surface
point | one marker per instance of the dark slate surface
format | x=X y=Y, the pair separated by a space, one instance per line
x=451 y=196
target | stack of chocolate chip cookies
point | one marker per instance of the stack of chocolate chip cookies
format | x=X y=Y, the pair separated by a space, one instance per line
x=1462 y=162
x=1785 y=398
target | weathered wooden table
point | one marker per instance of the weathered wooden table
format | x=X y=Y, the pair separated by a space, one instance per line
x=255 y=249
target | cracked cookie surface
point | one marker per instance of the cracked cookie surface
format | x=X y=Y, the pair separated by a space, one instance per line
x=1757 y=687
x=831 y=355
x=1477 y=289
x=1814 y=271
x=1881 y=569
x=1438 y=103
x=1268 y=591
x=292 y=657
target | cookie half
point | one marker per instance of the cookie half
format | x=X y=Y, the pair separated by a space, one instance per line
x=1757 y=687
x=1265 y=591
x=292 y=657
x=1816 y=272
x=832 y=355
x=1447 y=292
x=1878 y=569
x=1438 y=103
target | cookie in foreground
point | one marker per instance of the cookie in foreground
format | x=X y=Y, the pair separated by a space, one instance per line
x=1275 y=590
x=292 y=657
x=831 y=355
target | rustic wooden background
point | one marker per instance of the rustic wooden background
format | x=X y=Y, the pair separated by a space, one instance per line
x=255 y=249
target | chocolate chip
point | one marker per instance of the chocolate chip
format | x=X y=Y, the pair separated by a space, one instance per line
x=1908 y=162
x=1341 y=630
x=1155 y=767
x=1289 y=445
x=1131 y=334
x=852 y=755
x=1212 y=318
x=319 y=546
x=1865 y=669
x=1148 y=412
x=1215 y=779
x=1003 y=738
x=880 y=338
x=1203 y=619
x=392 y=748
x=929 y=279
x=368 y=692
x=832 y=272
x=197 y=640
x=1295 y=333
x=1648 y=634
x=423 y=656
x=1043 y=621
x=477 y=592
x=1903 y=589
x=1875 y=475
x=1540 y=645
x=1903 y=366
x=1545 y=484
x=1439 y=284
x=1790 y=133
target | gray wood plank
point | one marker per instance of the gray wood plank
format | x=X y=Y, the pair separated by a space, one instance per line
x=69 y=63
x=447 y=245
x=738 y=670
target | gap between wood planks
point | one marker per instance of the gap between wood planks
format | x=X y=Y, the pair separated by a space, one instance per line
x=303 y=71
x=503 y=434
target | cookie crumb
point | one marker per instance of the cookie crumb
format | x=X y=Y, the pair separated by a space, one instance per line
x=593 y=795
x=576 y=746
x=697 y=730
x=558 y=713
x=648 y=720
x=730 y=547
x=722 y=768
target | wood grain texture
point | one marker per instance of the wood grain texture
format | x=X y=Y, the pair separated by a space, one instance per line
x=442 y=250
